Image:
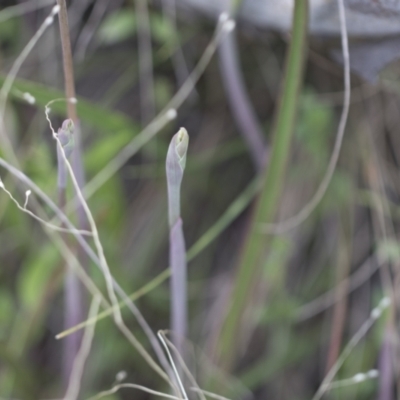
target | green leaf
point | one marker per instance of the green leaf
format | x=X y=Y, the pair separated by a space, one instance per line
x=7 y=312
x=98 y=117
x=35 y=275
x=118 y=26
x=101 y=152
x=314 y=125
x=162 y=29
x=389 y=251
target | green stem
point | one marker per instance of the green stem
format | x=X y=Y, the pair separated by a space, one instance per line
x=254 y=250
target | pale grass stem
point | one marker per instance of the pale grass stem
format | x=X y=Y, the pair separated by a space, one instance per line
x=75 y=378
x=175 y=166
x=376 y=313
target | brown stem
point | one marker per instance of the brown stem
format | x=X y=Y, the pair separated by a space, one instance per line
x=67 y=60
x=340 y=308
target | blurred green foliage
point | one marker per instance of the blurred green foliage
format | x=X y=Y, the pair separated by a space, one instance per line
x=279 y=356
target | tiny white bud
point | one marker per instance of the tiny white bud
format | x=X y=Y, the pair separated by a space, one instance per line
x=73 y=100
x=223 y=17
x=229 y=25
x=48 y=21
x=171 y=114
x=27 y=194
x=384 y=303
x=373 y=373
x=55 y=9
x=120 y=376
x=376 y=313
x=359 y=377
x=29 y=98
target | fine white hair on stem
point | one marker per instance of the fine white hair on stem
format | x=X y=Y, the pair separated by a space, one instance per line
x=365 y=327
x=306 y=211
x=116 y=388
x=171 y=360
x=37 y=218
x=74 y=384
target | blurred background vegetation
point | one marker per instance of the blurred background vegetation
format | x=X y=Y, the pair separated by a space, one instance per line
x=298 y=317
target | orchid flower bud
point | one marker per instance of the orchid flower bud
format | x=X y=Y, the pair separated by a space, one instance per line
x=175 y=165
x=65 y=135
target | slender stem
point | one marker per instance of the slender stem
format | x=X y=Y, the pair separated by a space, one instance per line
x=175 y=166
x=146 y=83
x=93 y=256
x=242 y=110
x=67 y=60
x=204 y=241
x=254 y=250
x=73 y=290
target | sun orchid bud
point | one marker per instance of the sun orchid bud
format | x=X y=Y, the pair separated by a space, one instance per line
x=65 y=135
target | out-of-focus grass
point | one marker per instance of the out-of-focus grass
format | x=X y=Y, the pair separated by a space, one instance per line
x=279 y=357
x=253 y=256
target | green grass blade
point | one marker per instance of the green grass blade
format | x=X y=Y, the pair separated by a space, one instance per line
x=253 y=254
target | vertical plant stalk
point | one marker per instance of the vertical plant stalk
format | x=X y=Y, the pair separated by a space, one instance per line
x=341 y=296
x=178 y=59
x=67 y=60
x=147 y=101
x=175 y=166
x=75 y=381
x=386 y=376
x=74 y=310
x=254 y=250
x=239 y=101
